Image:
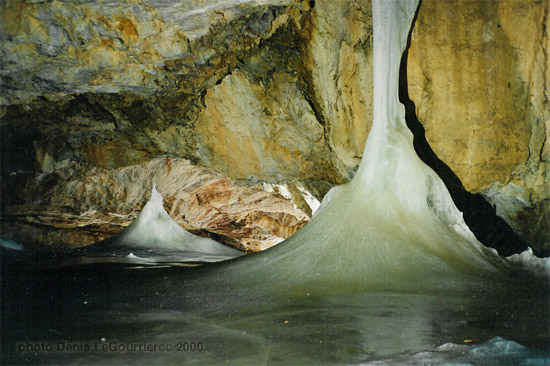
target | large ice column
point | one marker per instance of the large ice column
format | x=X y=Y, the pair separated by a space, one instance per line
x=390 y=164
x=394 y=226
x=391 y=25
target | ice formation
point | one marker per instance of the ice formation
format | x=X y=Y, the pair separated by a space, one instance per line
x=154 y=228
x=10 y=244
x=529 y=262
x=496 y=352
x=394 y=226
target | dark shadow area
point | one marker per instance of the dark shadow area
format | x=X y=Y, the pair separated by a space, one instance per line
x=479 y=214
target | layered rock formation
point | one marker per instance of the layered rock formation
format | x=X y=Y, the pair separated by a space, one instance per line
x=274 y=91
x=102 y=202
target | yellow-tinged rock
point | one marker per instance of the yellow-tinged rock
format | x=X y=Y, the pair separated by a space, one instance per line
x=248 y=132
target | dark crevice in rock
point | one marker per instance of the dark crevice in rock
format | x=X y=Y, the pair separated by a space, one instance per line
x=278 y=53
x=479 y=214
x=305 y=83
x=318 y=115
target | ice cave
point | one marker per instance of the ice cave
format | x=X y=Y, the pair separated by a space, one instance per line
x=275 y=182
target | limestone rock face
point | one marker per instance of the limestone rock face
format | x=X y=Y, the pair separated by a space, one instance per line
x=298 y=108
x=246 y=131
x=338 y=64
x=62 y=47
x=478 y=74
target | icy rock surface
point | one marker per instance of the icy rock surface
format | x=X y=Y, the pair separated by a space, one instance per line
x=496 y=351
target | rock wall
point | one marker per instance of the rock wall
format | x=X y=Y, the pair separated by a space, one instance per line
x=478 y=74
x=337 y=58
x=264 y=92
x=56 y=48
x=102 y=202
x=175 y=79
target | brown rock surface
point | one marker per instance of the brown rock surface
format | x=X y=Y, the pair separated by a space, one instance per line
x=248 y=132
x=338 y=64
x=478 y=74
x=103 y=202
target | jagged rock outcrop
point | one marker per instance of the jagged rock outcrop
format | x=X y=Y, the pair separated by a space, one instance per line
x=274 y=91
x=56 y=48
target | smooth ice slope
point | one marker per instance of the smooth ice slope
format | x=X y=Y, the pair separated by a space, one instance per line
x=154 y=228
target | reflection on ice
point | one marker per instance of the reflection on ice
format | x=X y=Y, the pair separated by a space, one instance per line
x=251 y=325
x=151 y=258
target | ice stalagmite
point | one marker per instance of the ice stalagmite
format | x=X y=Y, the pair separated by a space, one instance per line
x=10 y=244
x=155 y=229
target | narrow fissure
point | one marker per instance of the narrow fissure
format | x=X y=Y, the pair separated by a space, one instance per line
x=479 y=214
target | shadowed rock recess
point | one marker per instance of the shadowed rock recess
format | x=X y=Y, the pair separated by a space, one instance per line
x=245 y=113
